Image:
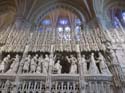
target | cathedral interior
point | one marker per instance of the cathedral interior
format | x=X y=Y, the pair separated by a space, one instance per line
x=62 y=46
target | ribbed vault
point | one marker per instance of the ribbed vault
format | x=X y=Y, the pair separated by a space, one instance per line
x=113 y=4
x=7 y=12
x=31 y=9
x=59 y=7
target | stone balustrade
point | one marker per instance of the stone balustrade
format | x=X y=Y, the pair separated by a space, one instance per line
x=63 y=83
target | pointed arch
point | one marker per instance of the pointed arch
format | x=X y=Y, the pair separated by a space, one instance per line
x=51 y=7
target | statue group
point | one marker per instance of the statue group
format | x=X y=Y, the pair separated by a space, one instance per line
x=42 y=64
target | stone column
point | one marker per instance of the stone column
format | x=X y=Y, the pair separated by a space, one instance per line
x=0 y=56
x=104 y=21
x=1 y=50
x=25 y=53
x=121 y=27
x=115 y=69
x=81 y=77
x=16 y=84
x=105 y=24
x=48 y=78
x=22 y=24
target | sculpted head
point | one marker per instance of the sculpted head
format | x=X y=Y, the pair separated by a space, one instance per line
x=36 y=55
x=8 y=55
x=92 y=54
x=46 y=55
x=17 y=55
x=58 y=61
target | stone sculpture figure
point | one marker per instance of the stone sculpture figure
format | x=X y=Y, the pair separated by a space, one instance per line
x=51 y=63
x=26 y=64
x=103 y=66
x=4 y=63
x=14 y=65
x=84 y=64
x=113 y=56
x=73 y=61
x=52 y=60
x=93 y=68
x=33 y=65
x=58 y=67
x=40 y=64
x=46 y=64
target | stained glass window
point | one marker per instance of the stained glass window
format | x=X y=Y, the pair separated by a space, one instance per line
x=40 y=29
x=116 y=25
x=67 y=29
x=77 y=30
x=46 y=22
x=60 y=29
x=63 y=21
x=77 y=22
x=123 y=16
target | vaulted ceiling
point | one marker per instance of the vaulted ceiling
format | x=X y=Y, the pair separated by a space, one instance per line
x=30 y=10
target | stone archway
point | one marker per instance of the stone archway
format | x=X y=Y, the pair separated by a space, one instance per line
x=111 y=5
x=52 y=7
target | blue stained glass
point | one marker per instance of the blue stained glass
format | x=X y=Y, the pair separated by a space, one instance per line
x=40 y=29
x=67 y=29
x=48 y=29
x=116 y=24
x=46 y=22
x=77 y=21
x=77 y=29
x=123 y=16
x=60 y=29
x=63 y=21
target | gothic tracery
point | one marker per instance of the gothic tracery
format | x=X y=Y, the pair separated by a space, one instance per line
x=62 y=46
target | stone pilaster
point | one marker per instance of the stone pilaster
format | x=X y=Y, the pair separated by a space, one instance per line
x=115 y=69
x=0 y=54
x=104 y=21
x=82 y=82
x=16 y=84
x=48 y=78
